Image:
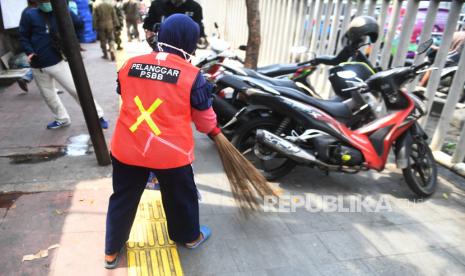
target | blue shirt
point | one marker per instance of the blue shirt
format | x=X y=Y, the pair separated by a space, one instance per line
x=35 y=36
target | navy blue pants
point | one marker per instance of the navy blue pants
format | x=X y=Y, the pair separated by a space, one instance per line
x=179 y=196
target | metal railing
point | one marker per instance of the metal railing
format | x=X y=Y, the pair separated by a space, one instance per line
x=288 y=26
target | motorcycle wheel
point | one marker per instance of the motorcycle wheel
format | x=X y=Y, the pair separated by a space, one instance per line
x=421 y=174
x=266 y=161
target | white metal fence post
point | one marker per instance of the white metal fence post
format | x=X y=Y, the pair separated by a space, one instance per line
x=284 y=33
x=332 y=43
x=381 y=22
x=372 y=7
x=459 y=154
x=425 y=35
x=298 y=28
x=455 y=91
x=317 y=27
x=345 y=22
x=360 y=7
x=441 y=55
x=386 y=55
x=408 y=23
x=307 y=29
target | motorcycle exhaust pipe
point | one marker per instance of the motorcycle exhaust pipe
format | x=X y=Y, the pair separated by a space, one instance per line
x=289 y=149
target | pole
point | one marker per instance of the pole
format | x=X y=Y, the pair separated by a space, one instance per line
x=390 y=34
x=78 y=71
x=407 y=27
x=441 y=56
x=455 y=91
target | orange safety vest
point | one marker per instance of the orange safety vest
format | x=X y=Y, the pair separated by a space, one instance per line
x=154 y=126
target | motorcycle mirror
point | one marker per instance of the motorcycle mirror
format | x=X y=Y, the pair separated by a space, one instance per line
x=423 y=47
x=216 y=25
x=346 y=74
x=243 y=47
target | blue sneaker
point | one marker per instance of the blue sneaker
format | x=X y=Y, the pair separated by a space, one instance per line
x=57 y=124
x=103 y=123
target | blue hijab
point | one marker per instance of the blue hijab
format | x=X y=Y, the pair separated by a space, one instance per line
x=180 y=31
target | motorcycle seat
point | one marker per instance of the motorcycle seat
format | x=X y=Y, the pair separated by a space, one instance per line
x=448 y=71
x=333 y=107
x=274 y=70
x=273 y=81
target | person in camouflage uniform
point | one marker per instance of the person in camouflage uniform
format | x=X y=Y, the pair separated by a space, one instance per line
x=120 y=15
x=105 y=22
x=131 y=10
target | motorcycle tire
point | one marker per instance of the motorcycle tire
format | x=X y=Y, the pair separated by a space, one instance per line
x=421 y=161
x=245 y=135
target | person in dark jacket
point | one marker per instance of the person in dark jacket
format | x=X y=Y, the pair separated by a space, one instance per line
x=177 y=41
x=161 y=9
x=41 y=42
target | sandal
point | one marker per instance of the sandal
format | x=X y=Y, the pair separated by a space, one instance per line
x=205 y=232
x=113 y=264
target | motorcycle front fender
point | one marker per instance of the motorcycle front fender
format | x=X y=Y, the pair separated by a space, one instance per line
x=403 y=146
x=403 y=149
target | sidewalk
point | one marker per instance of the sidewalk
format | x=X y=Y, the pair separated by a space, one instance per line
x=70 y=196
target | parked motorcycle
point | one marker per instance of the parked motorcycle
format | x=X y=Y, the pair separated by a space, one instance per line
x=229 y=105
x=313 y=134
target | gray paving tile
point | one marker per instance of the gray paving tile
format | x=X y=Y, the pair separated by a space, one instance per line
x=397 y=240
x=348 y=245
x=447 y=208
x=293 y=271
x=345 y=268
x=449 y=233
x=305 y=250
x=303 y=221
x=458 y=253
x=433 y=238
x=405 y=211
x=391 y=265
x=263 y=225
x=255 y=254
x=224 y=226
x=246 y=273
x=213 y=257
x=437 y=263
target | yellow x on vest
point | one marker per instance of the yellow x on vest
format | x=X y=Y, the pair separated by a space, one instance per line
x=145 y=115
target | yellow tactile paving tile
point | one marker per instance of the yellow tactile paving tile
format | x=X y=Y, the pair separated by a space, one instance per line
x=149 y=249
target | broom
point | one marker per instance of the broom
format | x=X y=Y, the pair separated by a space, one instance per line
x=248 y=185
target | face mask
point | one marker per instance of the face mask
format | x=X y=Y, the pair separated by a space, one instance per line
x=45 y=7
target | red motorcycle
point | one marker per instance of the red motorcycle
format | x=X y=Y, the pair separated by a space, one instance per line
x=314 y=135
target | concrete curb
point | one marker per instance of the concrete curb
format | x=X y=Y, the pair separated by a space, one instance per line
x=445 y=160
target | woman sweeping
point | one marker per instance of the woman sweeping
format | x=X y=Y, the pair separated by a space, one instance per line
x=162 y=94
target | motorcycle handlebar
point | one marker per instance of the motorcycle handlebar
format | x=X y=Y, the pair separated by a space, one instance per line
x=421 y=66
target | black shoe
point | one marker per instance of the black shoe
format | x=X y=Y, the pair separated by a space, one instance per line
x=23 y=85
